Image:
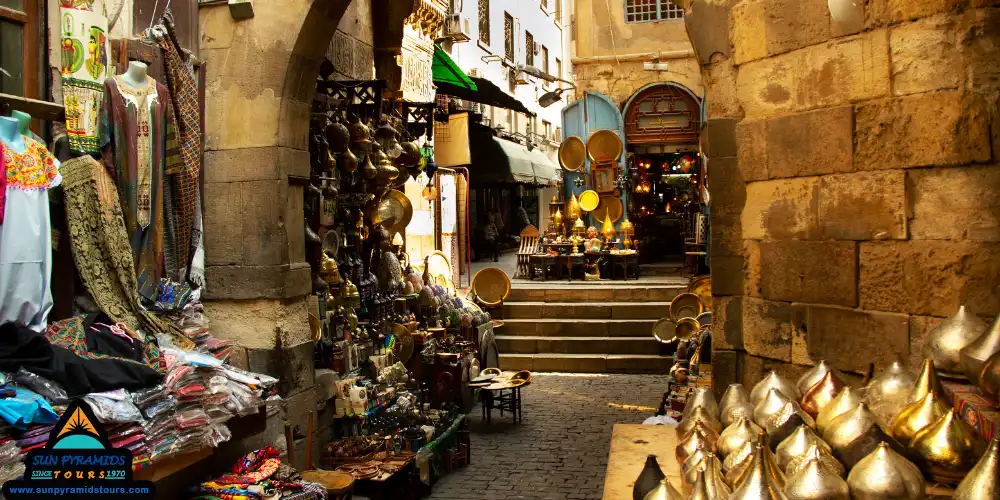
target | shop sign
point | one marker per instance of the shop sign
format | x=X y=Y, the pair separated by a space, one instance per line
x=418 y=77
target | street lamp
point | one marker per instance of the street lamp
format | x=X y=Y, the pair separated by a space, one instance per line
x=548 y=98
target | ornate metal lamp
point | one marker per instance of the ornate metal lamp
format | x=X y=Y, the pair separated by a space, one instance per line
x=628 y=230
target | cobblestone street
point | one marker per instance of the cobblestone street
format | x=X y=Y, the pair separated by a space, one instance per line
x=560 y=450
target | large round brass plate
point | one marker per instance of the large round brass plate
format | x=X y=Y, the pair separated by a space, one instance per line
x=685 y=305
x=589 y=200
x=609 y=205
x=491 y=285
x=604 y=146
x=686 y=328
x=572 y=153
x=438 y=266
x=702 y=287
x=394 y=212
x=663 y=330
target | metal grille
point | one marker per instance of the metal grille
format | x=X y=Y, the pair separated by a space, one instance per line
x=508 y=36
x=529 y=49
x=643 y=11
x=484 y=21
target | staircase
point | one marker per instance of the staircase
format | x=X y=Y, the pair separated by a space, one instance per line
x=591 y=327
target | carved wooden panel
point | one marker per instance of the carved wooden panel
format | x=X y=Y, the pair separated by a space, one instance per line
x=663 y=114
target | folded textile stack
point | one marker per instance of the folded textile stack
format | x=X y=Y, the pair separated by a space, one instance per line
x=192 y=321
x=258 y=475
x=11 y=459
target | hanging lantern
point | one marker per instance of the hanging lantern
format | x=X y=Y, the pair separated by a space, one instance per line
x=430 y=192
x=573 y=210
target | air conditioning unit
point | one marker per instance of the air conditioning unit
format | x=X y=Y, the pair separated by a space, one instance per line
x=521 y=78
x=537 y=48
x=456 y=28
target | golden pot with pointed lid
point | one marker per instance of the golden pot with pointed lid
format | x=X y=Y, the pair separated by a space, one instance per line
x=711 y=466
x=696 y=415
x=691 y=463
x=703 y=397
x=854 y=435
x=889 y=392
x=822 y=393
x=981 y=483
x=707 y=486
x=738 y=470
x=989 y=379
x=758 y=481
x=815 y=482
x=736 y=435
x=784 y=423
x=664 y=491
x=885 y=474
x=697 y=439
x=915 y=417
x=734 y=403
x=814 y=375
x=769 y=406
x=927 y=381
x=947 y=449
x=773 y=381
x=974 y=355
x=797 y=444
x=847 y=399
x=945 y=342
x=815 y=453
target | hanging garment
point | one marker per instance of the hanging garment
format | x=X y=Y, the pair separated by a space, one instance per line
x=84 y=66
x=25 y=235
x=136 y=130
x=101 y=251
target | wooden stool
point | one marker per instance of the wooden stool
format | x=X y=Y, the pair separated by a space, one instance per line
x=339 y=485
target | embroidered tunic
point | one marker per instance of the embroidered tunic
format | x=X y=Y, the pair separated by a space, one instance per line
x=136 y=128
x=25 y=235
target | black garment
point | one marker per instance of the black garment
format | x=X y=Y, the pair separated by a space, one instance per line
x=22 y=347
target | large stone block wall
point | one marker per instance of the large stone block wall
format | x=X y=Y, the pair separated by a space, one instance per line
x=854 y=176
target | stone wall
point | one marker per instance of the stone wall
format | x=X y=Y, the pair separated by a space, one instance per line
x=854 y=177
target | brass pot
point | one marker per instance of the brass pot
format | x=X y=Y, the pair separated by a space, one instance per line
x=947 y=449
x=797 y=444
x=708 y=432
x=736 y=435
x=737 y=458
x=817 y=454
x=773 y=381
x=368 y=168
x=915 y=417
x=927 y=381
x=696 y=415
x=813 y=376
x=708 y=487
x=781 y=425
x=738 y=471
x=703 y=397
x=338 y=137
x=696 y=440
x=989 y=379
x=758 y=481
x=360 y=133
x=769 y=406
x=945 y=342
x=884 y=474
x=348 y=162
x=981 y=482
x=692 y=463
x=847 y=399
x=814 y=482
x=734 y=403
x=822 y=393
x=664 y=491
x=974 y=355
x=710 y=465
x=889 y=392
x=854 y=435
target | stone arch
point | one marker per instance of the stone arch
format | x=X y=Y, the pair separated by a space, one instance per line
x=645 y=91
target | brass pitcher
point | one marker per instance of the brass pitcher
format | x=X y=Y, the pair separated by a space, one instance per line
x=847 y=399
x=814 y=482
x=664 y=491
x=982 y=481
x=815 y=453
x=945 y=342
x=797 y=444
x=822 y=393
x=974 y=355
x=915 y=417
x=707 y=487
x=889 y=392
x=947 y=449
x=773 y=381
x=814 y=375
x=854 y=435
x=734 y=403
x=769 y=406
x=703 y=397
x=883 y=474
x=736 y=435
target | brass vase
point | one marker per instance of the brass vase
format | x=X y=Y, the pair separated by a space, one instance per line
x=769 y=406
x=699 y=414
x=758 y=481
x=797 y=444
x=648 y=479
x=738 y=471
x=945 y=342
x=348 y=162
x=695 y=440
x=947 y=449
x=705 y=488
x=847 y=399
x=703 y=397
x=884 y=474
x=664 y=491
x=736 y=435
x=737 y=458
x=825 y=459
x=814 y=482
x=691 y=464
x=822 y=393
x=983 y=481
x=915 y=417
x=734 y=403
x=889 y=392
x=927 y=381
x=989 y=379
x=854 y=435
x=773 y=381
x=813 y=376
x=974 y=355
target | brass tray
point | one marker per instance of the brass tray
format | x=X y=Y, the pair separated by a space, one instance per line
x=572 y=153
x=702 y=287
x=604 y=146
x=686 y=305
x=491 y=285
x=663 y=330
x=589 y=200
x=331 y=242
x=609 y=205
x=686 y=327
x=437 y=264
x=394 y=212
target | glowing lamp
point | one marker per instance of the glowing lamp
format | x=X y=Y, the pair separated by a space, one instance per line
x=628 y=230
x=608 y=229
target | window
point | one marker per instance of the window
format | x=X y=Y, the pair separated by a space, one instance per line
x=559 y=71
x=547 y=128
x=545 y=59
x=558 y=137
x=558 y=16
x=484 y=21
x=529 y=49
x=508 y=36
x=641 y=11
x=19 y=52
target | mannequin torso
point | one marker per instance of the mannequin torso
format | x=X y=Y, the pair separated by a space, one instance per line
x=10 y=136
x=136 y=75
x=23 y=121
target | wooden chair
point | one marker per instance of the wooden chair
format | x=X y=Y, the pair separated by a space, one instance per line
x=530 y=239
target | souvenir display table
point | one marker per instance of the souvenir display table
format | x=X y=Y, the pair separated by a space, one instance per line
x=630 y=445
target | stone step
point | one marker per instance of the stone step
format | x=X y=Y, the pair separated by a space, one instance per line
x=549 y=327
x=587 y=363
x=600 y=292
x=664 y=269
x=577 y=345
x=586 y=310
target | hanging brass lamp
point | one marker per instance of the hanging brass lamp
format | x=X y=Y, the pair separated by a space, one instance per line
x=847 y=399
x=983 y=481
x=945 y=342
x=889 y=392
x=734 y=403
x=974 y=355
x=698 y=414
x=854 y=435
x=947 y=449
x=915 y=417
x=815 y=453
x=814 y=482
x=797 y=444
x=813 y=376
x=703 y=397
x=883 y=474
x=773 y=381
x=822 y=393
x=736 y=435
x=758 y=482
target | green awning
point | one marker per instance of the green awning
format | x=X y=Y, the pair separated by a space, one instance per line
x=446 y=71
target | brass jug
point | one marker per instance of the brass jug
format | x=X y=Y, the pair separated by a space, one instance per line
x=735 y=402
x=797 y=444
x=847 y=399
x=974 y=355
x=947 y=449
x=982 y=481
x=736 y=435
x=915 y=417
x=854 y=435
x=696 y=415
x=664 y=491
x=822 y=393
x=889 y=392
x=814 y=482
x=773 y=381
x=945 y=342
x=815 y=453
x=883 y=474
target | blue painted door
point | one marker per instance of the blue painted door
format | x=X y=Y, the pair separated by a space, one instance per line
x=584 y=117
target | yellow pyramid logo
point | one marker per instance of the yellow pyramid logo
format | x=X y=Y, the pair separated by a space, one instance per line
x=78 y=422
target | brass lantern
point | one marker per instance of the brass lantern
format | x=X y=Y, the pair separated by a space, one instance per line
x=628 y=230
x=608 y=229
